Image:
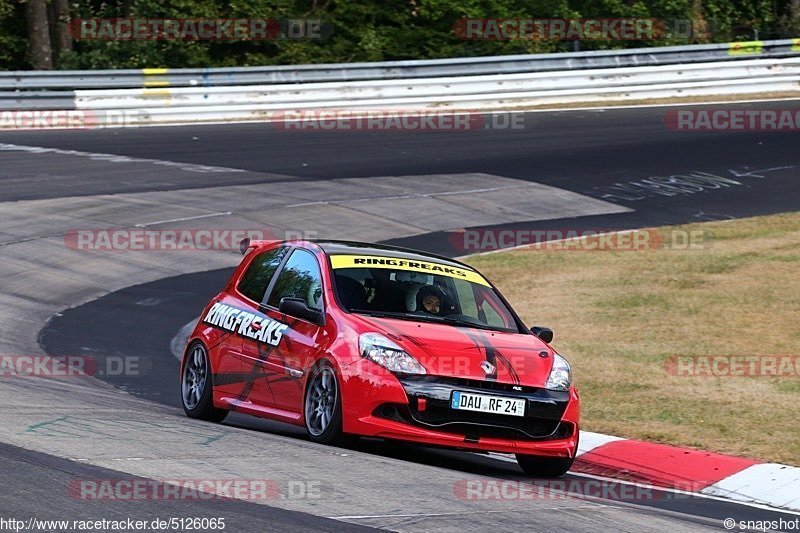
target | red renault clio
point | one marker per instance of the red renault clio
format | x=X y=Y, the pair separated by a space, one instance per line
x=351 y=339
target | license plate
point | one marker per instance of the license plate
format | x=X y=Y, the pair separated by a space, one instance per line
x=482 y=403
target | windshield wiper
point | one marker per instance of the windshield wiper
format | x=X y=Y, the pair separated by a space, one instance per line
x=427 y=318
x=456 y=321
x=395 y=314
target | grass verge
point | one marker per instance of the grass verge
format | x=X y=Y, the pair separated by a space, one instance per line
x=619 y=316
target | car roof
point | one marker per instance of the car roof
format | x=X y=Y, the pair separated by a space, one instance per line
x=332 y=247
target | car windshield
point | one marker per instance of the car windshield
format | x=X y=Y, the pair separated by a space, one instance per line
x=421 y=291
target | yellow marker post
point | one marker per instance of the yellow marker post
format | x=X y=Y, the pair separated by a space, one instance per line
x=153 y=77
x=796 y=45
x=156 y=94
x=412 y=265
x=746 y=48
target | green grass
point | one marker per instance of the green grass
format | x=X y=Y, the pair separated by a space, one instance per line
x=619 y=315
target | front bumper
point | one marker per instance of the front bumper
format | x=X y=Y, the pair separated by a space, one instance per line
x=417 y=408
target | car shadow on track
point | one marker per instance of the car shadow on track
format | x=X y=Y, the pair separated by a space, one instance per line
x=502 y=468
x=467 y=462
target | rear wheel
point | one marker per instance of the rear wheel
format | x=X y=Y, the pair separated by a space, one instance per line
x=322 y=407
x=197 y=385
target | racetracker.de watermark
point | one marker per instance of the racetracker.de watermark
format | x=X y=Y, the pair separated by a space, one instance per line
x=578 y=29
x=197 y=29
x=562 y=489
x=12 y=119
x=580 y=239
x=394 y=120
x=145 y=239
x=733 y=119
x=460 y=365
x=70 y=366
x=137 y=489
x=733 y=366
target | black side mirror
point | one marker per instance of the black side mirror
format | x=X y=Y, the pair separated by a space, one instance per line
x=546 y=334
x=297 y=307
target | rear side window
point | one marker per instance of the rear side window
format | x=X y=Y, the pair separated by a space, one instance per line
x=256 y=279
x=300 y=278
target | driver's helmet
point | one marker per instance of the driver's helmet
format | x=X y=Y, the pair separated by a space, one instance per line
x=443 y=304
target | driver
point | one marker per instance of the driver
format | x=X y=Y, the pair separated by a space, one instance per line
x=430 y=299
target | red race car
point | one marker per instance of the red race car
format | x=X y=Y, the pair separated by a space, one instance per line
x=351 y=339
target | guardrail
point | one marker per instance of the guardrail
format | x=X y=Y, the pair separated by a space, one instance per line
x=185 y=95
x=435 y=68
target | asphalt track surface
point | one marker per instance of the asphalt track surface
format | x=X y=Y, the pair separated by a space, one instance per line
x=126 y=305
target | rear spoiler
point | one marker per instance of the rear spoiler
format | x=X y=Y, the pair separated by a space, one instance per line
x=247 y=243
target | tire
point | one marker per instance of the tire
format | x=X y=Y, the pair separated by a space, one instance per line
x=197 y=385
x=547 y=467
x=322 y=407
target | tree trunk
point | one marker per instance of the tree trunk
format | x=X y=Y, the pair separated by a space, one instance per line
x=127 y=5
x=59 y=17
x=40 y=52
x=701 y=32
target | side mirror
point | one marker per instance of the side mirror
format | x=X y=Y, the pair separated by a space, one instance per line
x=297 y=307
x=546 y=334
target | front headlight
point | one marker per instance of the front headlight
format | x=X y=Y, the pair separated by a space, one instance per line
x=389 y=355
x=560 y=376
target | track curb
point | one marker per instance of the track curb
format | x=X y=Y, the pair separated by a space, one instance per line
x=712 y=474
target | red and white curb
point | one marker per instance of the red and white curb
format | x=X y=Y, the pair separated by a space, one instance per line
x=687 y=470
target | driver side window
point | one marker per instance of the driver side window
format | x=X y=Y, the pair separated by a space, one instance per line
x=300 y=278
x=256 y=279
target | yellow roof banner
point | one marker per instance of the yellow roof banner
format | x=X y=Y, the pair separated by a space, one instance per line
x=413 y=265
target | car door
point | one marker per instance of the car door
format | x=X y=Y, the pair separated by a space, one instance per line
x=282 y=365
x=247 y=297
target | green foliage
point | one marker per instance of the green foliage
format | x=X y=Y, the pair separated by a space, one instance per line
x=12 y=36
x=369 y=30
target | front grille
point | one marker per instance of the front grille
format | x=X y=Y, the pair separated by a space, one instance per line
x=475 y=425
x=485 y=385
x=542 y=419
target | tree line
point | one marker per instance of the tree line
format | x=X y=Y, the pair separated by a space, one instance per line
x=37 y=34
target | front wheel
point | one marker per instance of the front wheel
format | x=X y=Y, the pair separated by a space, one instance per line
x=322 y=407
x=197 y=386
x=544 y=466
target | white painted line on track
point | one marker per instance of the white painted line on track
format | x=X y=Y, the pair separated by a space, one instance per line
x=179 y=342
x=115 y=158
x=208 y=215
x=416 y=195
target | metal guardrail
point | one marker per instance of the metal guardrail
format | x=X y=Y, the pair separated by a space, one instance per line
x=430 y=91
x=37 y=100
x=217 y=77
x=163 y=96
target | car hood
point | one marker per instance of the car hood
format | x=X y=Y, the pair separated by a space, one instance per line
x=463 y=352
